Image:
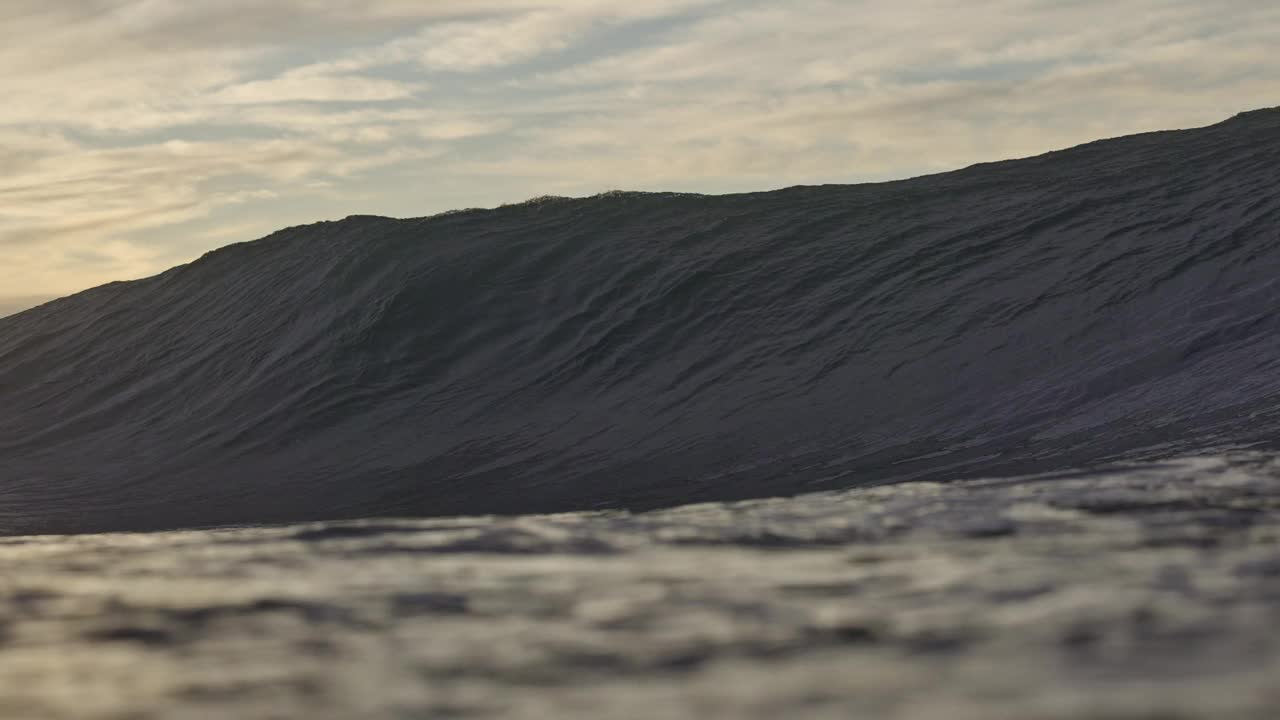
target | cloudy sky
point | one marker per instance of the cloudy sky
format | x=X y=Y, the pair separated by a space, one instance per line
x=137 y=134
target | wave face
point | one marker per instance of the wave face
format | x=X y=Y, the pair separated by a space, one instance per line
x=1112 y=301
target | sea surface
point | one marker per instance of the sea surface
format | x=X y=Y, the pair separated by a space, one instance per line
x=1142 y=592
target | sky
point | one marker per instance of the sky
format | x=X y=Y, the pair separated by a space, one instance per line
x=138 y=134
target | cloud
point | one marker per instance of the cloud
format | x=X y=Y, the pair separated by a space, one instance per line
x=139 y=133
x=310 y=85
x=819 y=90
x=475 y=45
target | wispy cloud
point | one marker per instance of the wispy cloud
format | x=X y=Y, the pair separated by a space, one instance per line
x=139 y=133
x=311 y=85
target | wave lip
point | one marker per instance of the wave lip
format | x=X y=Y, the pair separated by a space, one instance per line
x=1114 y=300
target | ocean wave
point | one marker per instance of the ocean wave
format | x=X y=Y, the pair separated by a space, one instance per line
x=1113 y=301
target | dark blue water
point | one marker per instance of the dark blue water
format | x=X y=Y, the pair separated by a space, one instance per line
x=1111 y=301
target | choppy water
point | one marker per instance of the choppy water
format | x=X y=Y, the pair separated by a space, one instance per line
x=1146 y=592
x=644 y=351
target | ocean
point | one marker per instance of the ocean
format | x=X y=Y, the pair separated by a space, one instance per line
x=994 y=444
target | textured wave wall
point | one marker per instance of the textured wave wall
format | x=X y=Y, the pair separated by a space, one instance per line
x=1116 y=300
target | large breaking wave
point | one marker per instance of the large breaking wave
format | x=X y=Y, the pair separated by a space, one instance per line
x=1113 y=301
